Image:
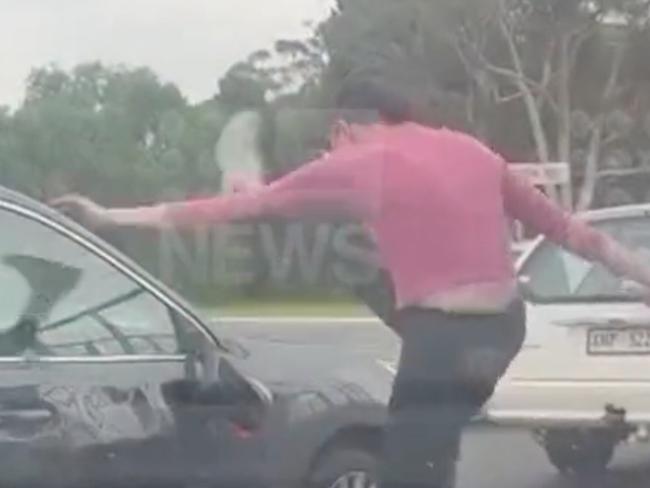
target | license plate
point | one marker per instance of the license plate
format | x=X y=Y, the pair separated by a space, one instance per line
x=619 y=341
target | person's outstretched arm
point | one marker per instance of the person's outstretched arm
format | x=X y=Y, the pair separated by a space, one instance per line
x=332 y=185
x=526 y=203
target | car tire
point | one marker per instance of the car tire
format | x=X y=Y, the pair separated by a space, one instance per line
x=341 y=468
x=575 y=452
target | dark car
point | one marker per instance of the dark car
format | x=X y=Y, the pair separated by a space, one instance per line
x=109 y=378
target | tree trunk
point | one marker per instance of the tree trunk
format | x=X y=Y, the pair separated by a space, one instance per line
x=481 y=107
x=533 y=109
x=596 y=142
x=564 y=102
x=591 y=168
x=536 y=124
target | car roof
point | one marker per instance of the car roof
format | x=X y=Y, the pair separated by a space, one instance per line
x=14 y=197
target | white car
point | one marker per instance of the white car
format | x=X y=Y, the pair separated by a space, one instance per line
x=582 y=380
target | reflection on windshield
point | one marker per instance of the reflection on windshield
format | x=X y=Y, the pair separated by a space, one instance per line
x=49 y=283
x=69 y=302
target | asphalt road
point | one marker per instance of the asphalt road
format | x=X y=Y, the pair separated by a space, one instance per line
x=492 y=457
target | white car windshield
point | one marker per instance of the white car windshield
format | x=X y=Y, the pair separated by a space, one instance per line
x=556 y=275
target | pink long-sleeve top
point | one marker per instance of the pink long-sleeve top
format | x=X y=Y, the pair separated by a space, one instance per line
x=439 y=204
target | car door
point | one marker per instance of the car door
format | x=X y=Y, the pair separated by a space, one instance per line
x=89 y=353
x=588 y=338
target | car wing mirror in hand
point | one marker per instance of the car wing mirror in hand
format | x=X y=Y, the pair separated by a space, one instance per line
x=231 y=390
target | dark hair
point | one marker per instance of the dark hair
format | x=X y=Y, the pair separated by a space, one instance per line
x=392 y=106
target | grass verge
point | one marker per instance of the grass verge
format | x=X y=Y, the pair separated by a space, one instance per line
x=247 y=308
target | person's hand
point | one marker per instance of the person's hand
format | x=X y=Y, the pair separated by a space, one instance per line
x=637 y=290
x=83 y=210
x=243 y=184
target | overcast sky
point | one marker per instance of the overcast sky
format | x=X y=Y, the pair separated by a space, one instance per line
x=189 y=42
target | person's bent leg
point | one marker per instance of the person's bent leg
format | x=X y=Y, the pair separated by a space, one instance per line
x=421 y=448
x=422 y=436
x=436 y=395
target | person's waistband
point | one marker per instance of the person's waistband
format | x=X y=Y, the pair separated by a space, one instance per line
x=472 y=299
x=514 y=306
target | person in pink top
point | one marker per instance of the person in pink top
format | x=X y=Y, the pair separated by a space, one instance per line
x=439 y=204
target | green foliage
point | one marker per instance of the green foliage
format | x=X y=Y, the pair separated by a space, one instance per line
x=454 y=59
x=117 y=134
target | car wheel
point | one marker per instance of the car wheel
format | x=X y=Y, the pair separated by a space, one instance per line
x=346 y=468
x=575 y=452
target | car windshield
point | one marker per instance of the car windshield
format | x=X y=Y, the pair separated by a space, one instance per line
x=325 y=243
x=553 y=274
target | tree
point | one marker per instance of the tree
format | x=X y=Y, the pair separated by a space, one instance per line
x=118 y=134
x=293 y=65
x=544 y=41
x=565 y=67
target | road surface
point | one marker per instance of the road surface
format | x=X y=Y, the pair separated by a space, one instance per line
x=492 y=457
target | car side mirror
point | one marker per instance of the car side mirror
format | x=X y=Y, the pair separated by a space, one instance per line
x=242 y=400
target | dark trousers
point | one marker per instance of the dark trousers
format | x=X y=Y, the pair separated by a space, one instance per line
x=449 y=367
